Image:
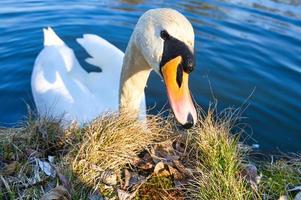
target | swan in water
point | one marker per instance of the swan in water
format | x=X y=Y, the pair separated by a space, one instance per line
x=162 y=40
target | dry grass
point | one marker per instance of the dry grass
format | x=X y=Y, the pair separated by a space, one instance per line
x=19 y=150
x=110 y=142
x=108 y=145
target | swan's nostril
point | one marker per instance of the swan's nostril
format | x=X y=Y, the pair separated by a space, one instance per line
x=189 y=122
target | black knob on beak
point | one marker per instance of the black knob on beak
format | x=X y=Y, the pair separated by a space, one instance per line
x=188 y=64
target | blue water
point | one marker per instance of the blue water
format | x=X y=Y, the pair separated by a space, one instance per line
x=248 y=52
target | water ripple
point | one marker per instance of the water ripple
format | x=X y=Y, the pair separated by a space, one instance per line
x=240 y=45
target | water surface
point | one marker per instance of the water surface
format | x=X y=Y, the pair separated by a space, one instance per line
x=248 y=52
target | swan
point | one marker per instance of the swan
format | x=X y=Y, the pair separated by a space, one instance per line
x=162 y=40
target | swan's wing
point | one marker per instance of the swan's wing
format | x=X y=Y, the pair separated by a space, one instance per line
x=103 y=54
x=109 y=58
x=56 y=79
x=51 y=38
x=60 y=85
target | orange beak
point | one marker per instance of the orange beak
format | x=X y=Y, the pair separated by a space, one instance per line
x=176 y=81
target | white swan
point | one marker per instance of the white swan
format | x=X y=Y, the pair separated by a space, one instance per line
x=163 y=40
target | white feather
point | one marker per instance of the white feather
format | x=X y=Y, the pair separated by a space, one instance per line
x=61 y=87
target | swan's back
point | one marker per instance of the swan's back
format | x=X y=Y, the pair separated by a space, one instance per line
x=103 y=54
x=61 y=87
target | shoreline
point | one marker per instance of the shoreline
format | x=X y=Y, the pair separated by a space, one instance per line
x=114 y=157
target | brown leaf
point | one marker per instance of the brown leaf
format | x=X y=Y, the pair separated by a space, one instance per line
x=123 y=195
x=182 y=169
x=63 y=179
x=10 y=168
x=58 y=193
x=161 y=169
x=175 y=173
x=144 y=163
x=164 y=151
x=127 y=178
x=136 y=179
x=179 y=146
x=32 y=153
x=250 y=173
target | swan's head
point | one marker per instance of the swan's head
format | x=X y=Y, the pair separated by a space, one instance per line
x=166 y=40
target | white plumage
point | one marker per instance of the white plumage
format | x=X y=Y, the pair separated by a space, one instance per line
x=62 y=88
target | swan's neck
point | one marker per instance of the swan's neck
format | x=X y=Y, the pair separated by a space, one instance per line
x=134 y=75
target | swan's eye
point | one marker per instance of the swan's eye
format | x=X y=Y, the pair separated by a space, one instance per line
x=164 y=35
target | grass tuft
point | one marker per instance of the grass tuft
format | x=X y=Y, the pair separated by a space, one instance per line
x=280 y=177
x=208 y=156
x=110 y=142
x=218 y=162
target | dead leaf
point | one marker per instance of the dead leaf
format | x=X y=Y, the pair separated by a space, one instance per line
x=47 y=168
x=250 y=173
x=123 y=195
x=175 y=173
x=63 y=179
x=127 y=178
x=179 y=147
x=58 y=193
x=161 y=169
x=164 y=151
x=136 y=179
x=144 y=163
x=182 y=169
x=10 y=168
